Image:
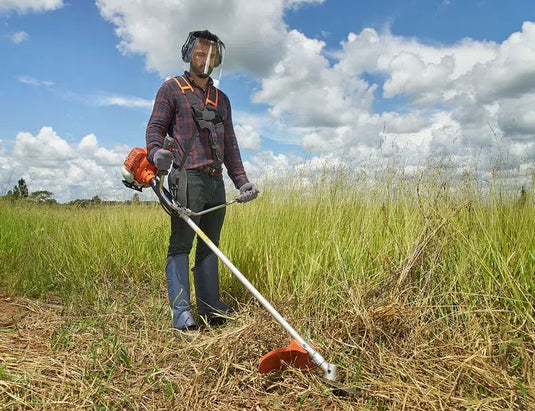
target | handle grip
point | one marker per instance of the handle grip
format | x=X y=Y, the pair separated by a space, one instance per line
x=168 y=144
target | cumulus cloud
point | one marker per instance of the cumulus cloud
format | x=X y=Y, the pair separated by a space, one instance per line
x=27 y=6
x=516 y=116
x=248 y=138
x=268 y=166
x=70 y=170
x=462 y=98
x=46 y=149
x=90 y=148
x=511 y=71
x=300 y=85
x=142 y=25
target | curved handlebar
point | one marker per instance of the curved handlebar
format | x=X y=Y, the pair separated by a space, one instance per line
x=167 y=201
x=171 y=206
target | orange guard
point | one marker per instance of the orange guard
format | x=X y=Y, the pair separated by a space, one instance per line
x=279 y=359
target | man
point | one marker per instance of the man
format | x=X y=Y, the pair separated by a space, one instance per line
x=198 y=116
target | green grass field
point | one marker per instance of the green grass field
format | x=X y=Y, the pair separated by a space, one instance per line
x=422 y=291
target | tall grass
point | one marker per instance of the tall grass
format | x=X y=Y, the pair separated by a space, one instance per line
x=74 y=253
x=413 y=284
x=292 y=242
x=345 y=233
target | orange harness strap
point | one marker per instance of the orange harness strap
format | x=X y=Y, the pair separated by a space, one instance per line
x=184 y=86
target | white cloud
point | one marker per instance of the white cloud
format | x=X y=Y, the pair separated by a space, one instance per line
x=266 y=126
x=142 y=25
x=19 y=37
x=131 y=102
x=511 y=73
x=517 y=116
x=46 y=149
x=26 y=6
x=450 y=100
x=88 y=145
x=298 y=3
x=448 y=87
x=34 y=82
x=385 y=53
x=80 y=170
x=248 y=138
x=268 y=166
x=301 y=84
x=90 y=148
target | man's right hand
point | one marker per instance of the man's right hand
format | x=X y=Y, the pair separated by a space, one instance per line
x=163 y=159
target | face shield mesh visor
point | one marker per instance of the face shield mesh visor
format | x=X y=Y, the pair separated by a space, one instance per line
x=205 y=56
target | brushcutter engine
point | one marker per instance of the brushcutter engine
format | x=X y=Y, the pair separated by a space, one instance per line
x=138 y=174
x=137 y=171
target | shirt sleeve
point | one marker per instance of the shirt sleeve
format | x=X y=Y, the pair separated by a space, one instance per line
x=160 y=120
x=232 y=157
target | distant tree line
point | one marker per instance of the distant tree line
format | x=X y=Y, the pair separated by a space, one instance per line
x=20 y=192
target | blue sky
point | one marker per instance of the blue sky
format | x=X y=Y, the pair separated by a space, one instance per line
x=311 y=82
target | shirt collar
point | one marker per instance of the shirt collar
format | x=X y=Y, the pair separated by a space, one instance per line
x=192 y=81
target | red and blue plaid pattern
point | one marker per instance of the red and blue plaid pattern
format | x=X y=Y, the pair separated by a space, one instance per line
x=172 y=115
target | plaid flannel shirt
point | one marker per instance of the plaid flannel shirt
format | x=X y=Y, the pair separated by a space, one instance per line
x=172 y=115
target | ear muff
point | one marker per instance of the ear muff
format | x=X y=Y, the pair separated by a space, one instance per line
x=187 y=48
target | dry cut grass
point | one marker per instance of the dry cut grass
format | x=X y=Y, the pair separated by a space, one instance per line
x=397 y=355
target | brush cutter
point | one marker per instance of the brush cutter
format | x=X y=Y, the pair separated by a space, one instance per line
x=138 y=173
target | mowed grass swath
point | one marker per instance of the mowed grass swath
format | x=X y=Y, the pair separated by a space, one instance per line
x=420 y=288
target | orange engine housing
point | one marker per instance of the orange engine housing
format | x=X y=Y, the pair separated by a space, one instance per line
x=137 y=164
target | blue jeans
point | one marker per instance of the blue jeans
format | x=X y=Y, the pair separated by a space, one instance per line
x=203 y=192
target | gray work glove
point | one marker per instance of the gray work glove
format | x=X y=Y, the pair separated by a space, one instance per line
x=248 y=192
x=162 y=159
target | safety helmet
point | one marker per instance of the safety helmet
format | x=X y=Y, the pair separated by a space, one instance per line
x=194 y=37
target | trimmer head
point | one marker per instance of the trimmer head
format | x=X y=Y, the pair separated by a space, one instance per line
x=279 y=359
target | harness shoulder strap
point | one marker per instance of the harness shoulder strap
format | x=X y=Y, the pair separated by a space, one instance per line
x=205 y=118
x=183 y=84
x=187 y=90
x=209 y=100
x=212 y=96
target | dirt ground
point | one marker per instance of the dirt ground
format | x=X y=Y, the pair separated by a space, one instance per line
x=14 y=311
x=10 y=311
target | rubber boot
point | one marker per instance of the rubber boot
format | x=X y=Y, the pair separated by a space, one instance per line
x=177 y=275
x=207 y=291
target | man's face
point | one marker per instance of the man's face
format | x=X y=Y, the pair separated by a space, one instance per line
x=204 y=58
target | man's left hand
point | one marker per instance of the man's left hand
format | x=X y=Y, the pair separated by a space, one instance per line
x=248 y=192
